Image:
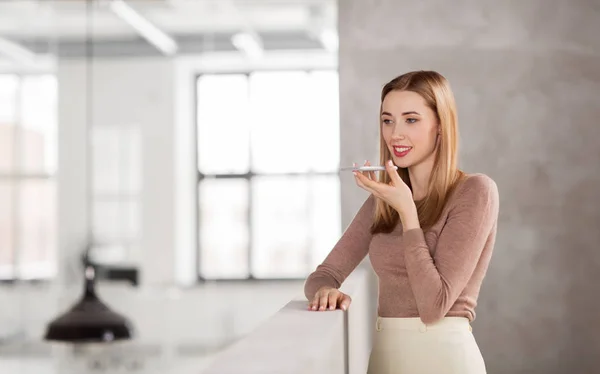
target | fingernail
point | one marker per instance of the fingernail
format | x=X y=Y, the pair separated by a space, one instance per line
x=390 y=162
x=343 y=307
x=355 y=173
x=331 y=308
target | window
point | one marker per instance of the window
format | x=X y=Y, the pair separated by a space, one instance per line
x=28 y=160
x=116 y=181
x=268 y=186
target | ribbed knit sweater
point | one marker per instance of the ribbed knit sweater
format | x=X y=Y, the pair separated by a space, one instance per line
x=428 y=274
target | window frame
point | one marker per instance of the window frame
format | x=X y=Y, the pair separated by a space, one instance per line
x=245 y=176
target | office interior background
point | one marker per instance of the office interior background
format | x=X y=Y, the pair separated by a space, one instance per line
x=191 y=150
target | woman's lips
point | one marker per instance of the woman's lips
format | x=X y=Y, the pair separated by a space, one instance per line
x=401 y=151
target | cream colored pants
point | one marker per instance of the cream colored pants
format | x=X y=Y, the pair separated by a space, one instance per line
x=408 y=346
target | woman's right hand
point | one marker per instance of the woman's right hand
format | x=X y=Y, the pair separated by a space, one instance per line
x=329 y=298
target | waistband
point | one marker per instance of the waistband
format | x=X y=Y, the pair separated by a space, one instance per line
x=415 y=324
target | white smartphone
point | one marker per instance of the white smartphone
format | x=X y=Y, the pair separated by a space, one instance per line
x=367 y=168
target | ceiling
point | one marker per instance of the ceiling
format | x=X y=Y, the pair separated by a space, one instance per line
x=59 y=26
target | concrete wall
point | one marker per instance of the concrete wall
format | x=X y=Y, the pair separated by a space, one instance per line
x=526 y=76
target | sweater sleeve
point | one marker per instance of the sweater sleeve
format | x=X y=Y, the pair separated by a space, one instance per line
x=347 y=253
x=438 y=281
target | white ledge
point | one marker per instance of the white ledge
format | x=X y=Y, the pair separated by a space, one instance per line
x=296 y=340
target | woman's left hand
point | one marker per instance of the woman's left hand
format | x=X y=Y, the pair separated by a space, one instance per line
x=396 y=194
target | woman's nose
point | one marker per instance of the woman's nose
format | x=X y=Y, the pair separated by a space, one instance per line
x=397 y=132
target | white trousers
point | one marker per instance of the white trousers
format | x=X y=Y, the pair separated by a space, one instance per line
x=408 y=346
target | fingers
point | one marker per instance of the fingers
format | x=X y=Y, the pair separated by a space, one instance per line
x=316 y=301
x=370 y=174
x=394 y=176
x=363 y=182
x=314 y=304
x=333 y=298
x=345 y=302
x=323 y=300
x=364 y=178
x=329 y=299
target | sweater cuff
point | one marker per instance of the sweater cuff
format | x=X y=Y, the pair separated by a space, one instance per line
x=414 y=238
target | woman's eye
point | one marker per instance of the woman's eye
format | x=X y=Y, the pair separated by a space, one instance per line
x=387 y=121
x=411 y=120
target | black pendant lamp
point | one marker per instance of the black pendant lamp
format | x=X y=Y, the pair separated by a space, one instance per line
x=90 y=320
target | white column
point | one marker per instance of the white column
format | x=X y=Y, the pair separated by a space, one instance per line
x=72 y=169
x=126 y=92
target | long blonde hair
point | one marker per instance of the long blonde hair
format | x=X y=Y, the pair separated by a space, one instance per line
x=435 y=89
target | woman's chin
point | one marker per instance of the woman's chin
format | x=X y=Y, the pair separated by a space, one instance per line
x=401 y=162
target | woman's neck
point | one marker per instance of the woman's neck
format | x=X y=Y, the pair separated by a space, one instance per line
x=419 y=178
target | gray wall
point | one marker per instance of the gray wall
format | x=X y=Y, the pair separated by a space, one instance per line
x=526 y=76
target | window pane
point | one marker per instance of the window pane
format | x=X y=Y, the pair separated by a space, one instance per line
x=7 y=141
x=224 y=234
x=296 y=222
x=116 y=221
x=37 y=229
x=117 y=160
x=323 y=124
x=281 y=231
x=8 y=96
x=280 y=140
x=39 y=124
x=325 y=216
x=223 y=128
x=7 y=230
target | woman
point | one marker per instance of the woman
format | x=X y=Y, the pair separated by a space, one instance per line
x=429 y=230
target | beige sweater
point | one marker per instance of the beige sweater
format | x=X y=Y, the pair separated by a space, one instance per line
x=428 y=274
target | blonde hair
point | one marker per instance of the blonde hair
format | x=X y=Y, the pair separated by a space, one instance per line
x=435 y=89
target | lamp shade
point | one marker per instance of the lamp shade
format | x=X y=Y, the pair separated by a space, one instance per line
x=90 y=320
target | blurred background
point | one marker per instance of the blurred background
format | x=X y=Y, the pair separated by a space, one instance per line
x=180 y=142
x=191 y=149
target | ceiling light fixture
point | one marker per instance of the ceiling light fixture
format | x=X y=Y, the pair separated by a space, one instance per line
x=155 y=36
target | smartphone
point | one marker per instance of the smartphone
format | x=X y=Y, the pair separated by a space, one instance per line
x=368 y=168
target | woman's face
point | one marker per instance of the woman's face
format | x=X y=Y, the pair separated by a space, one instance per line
x=409 y=128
